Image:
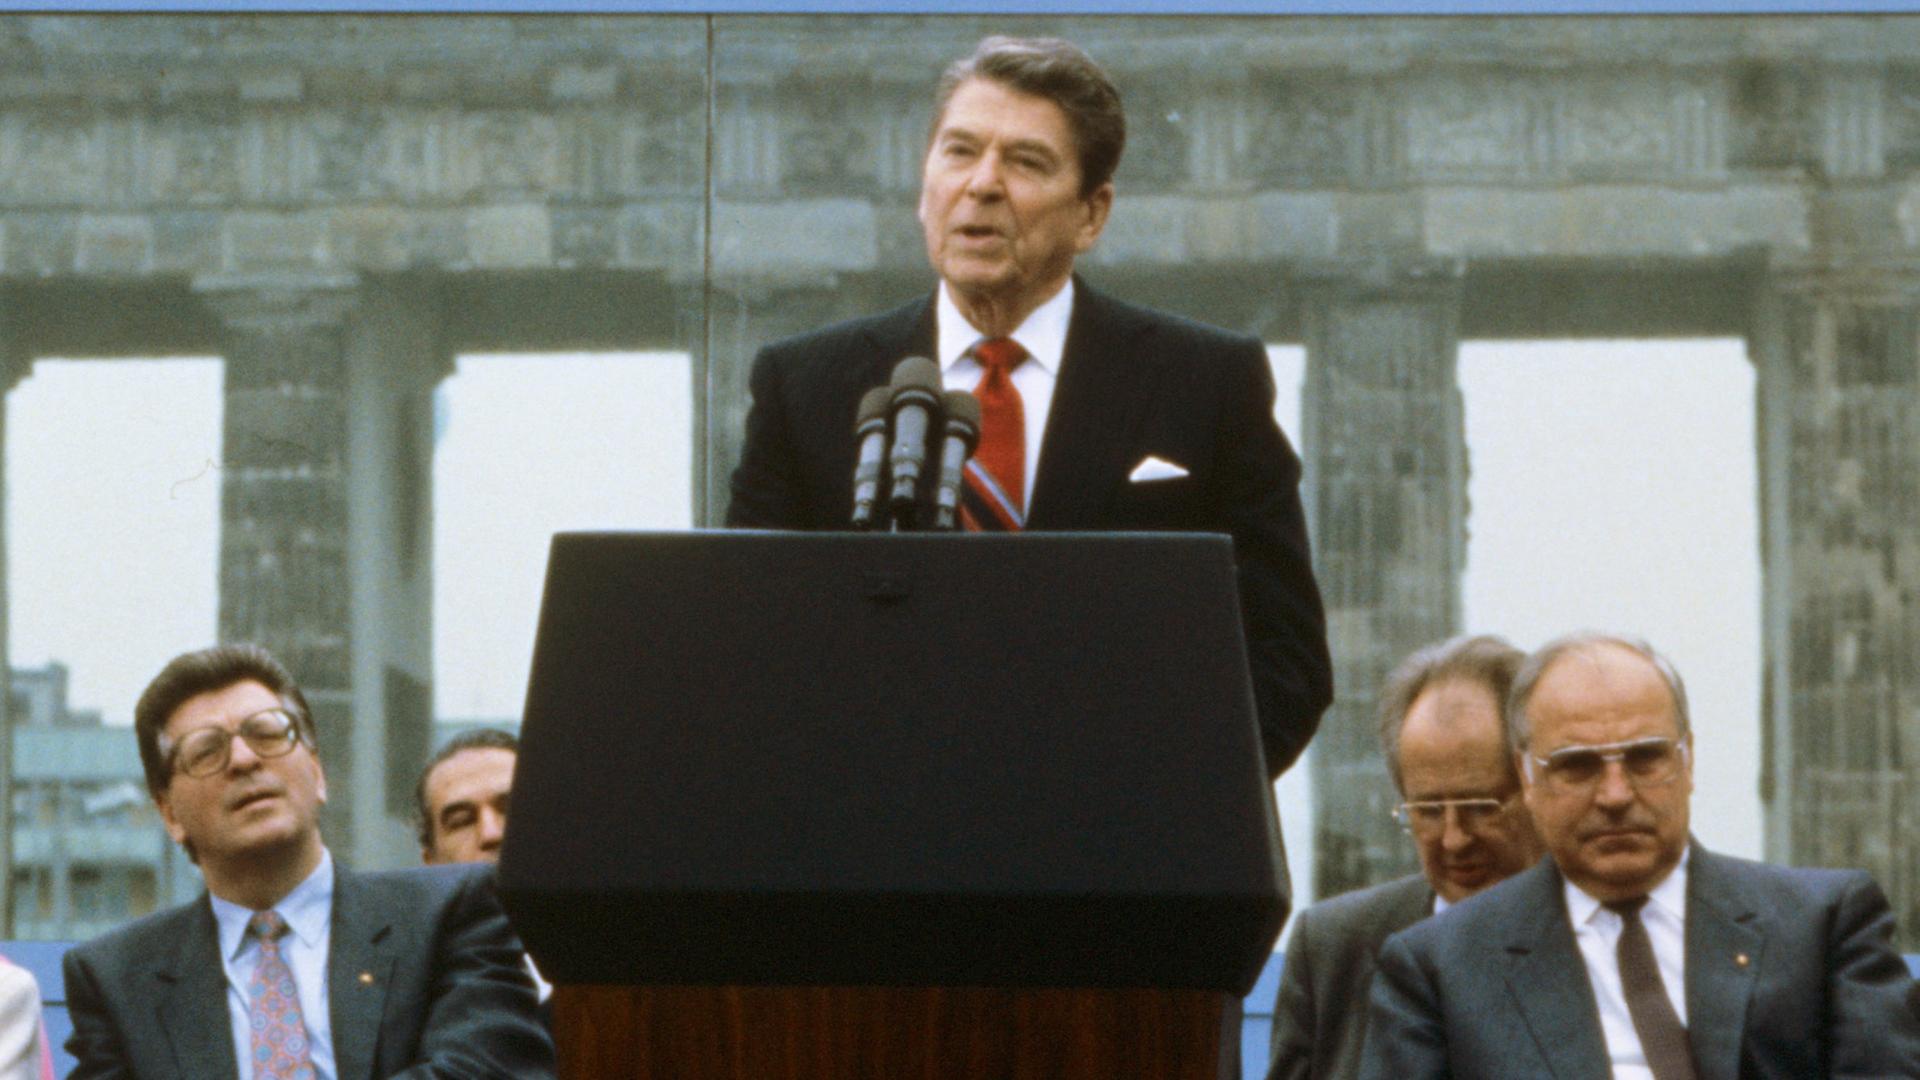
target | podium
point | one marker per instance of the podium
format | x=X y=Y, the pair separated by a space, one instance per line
x=914 y=805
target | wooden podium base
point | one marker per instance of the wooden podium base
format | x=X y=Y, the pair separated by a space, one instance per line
x=880 y=1032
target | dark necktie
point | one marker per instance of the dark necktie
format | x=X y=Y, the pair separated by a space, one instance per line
x=279 y=1044
x=1662 y=1038
x=996 y=486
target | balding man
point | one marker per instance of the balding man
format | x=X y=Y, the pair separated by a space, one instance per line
x=1634 y=952
x=1444 y=737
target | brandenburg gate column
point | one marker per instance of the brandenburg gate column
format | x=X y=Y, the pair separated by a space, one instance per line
x=1838 y=358
x=1386 y=471
x=325 y=545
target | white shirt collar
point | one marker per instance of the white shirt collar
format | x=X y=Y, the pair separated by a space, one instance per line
x=1670 y=895
x=1043 y=334
x=306 y=909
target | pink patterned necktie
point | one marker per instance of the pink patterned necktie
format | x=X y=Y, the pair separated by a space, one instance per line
x=994 y=499
x=279 y=1047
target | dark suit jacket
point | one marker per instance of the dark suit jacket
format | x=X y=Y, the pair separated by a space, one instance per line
x=1320 y=1014
x=1790 y=974
x=447 y=997
x=1132 y=383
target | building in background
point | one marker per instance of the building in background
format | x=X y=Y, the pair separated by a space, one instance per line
x=89 y=851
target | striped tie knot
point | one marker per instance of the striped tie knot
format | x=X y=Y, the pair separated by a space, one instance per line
x=999 y=355
x=267 y=925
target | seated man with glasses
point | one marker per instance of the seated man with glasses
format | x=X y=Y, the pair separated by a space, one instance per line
x=289 y=965
x=1445 y=742
x=1633 y=951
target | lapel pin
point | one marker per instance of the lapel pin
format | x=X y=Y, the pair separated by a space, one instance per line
x=366 y=977
x=1740 y=959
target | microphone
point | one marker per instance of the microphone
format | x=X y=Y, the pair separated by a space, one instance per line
x=871 y=429
x=914 y=406
x=963 y=434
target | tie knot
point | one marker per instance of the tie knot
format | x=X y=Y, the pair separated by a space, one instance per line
x=1628 y=908
x=267 y=925
x=999 y=354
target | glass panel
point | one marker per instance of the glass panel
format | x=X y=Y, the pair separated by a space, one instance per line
x=527 y=446
x=113 y=501
x=1613 y=487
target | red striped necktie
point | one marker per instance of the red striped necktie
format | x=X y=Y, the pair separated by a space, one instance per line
x=996 y=487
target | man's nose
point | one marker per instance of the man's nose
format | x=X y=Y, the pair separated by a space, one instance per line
x=493 y=828
x=1454 y=836
x=240 y=755
x=985 y=179
x=1614 y=789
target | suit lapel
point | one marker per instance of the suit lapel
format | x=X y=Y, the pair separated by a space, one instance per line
x=1724 y=953
x=1547 y=979
x=1104 y=382
x=906 y=331
x=192 y=1001
x=359 y=970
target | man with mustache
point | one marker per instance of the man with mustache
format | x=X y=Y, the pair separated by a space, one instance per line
x=1096 y=414
x=1633 y=951
x=1445 y=741
x=289 y=966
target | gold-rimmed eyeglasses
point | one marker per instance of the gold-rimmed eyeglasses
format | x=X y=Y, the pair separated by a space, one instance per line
x=1428 y=817
x=1573 y=770
x=269 y=733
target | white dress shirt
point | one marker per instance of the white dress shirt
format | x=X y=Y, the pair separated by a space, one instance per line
x=1597 y=931
x=1043 y=335
x=308 y=910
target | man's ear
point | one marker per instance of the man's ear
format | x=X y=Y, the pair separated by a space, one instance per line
x=1099 y=205
x=174 y=829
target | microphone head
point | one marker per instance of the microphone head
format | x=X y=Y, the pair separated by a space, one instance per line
x=916 y=371
x=963 y=416
x=873 y=405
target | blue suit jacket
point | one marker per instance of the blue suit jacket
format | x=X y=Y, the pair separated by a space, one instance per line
x=1790 y=974
x=423 y=981
x=1133 y=383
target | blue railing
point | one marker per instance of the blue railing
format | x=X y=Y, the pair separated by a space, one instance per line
x=43 y=959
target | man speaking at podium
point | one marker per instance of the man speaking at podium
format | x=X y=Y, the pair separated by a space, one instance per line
x=1095 y=414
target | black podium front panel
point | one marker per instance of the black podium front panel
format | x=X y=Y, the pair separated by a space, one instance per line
x=893 y=759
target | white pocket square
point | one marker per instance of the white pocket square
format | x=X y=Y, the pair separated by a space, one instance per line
x=1152 y=468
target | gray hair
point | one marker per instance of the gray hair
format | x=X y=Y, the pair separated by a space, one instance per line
x=1520 y=726
x=1482 y=658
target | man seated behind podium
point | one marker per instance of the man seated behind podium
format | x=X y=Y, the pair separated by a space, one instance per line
x=461 y=802
x=290 y=965
x=1633 y=951
x=1444 y=736
x=1096 y=414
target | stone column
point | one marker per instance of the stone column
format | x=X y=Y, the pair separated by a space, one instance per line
x=1386 y=478
x=284 y=580
x=1839 y=439
x=396 y=357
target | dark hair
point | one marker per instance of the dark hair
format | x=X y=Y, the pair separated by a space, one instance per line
x=1064 y=74
x=205 y=671
x=1520 y=727
x=1482 y=658
x=477 y=739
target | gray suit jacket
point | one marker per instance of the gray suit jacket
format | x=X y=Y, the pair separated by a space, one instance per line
x=1133 y=383
x=1320 y=1014
x=424 y=980
x=1790 y=974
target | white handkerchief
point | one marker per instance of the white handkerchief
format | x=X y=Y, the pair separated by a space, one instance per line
x=1152 y=468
